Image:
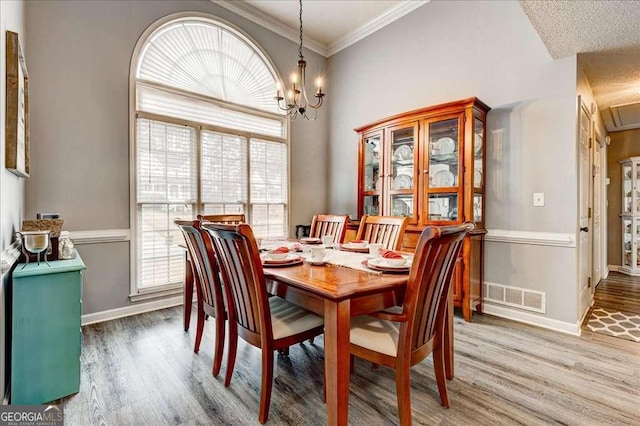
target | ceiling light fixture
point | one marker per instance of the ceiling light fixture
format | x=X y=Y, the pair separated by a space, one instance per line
x=295 y=99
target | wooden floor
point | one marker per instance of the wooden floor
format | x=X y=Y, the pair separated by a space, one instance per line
x=620 y=292
x=142 y=370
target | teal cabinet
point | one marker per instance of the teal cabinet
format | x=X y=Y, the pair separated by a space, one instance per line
x=45 y=331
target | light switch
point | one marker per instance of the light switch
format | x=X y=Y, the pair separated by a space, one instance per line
x=538 y=199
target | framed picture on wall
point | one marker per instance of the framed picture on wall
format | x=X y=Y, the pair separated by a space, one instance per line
x=17 y=117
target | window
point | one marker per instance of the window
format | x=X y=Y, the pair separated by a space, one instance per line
x=207 y=139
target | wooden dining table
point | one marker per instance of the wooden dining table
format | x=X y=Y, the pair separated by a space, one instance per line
x=339 y=293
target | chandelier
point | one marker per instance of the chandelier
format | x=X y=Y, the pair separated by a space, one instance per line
x=295 y=101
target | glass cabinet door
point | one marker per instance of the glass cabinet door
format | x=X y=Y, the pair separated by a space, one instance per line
x=627 y=243
x=627 y=188
x=443 y=169
x=478 y=171
x=372 y=178
x=402 y=183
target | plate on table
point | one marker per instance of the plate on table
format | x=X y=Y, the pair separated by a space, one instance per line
x=402 y=182
x=311 y=240
x=291 y=259
x=444 y=178
x=356 y=249
x=446 y=145
x=403 y=152
x=378 y=264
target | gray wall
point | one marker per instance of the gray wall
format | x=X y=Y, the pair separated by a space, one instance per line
x=12 y=17
x=79 y=70
x=445 y=51
x=623 y=145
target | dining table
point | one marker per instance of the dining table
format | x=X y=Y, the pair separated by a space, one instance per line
x=339 y=290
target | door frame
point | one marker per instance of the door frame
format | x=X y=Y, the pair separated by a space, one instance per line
x=584 y=308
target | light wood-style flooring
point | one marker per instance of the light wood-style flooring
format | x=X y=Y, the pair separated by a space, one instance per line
x=141 y=370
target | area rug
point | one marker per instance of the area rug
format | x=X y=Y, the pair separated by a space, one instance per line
x=624 y=325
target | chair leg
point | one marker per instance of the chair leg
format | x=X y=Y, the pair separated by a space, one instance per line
x=403 y=389
x=267 y=383
x=284 y=351
x=231 y=351
x=200 y=327
x=219 y=344
x=439 y=370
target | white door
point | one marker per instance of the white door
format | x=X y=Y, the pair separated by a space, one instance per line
x=597 y=201
x=584 y=176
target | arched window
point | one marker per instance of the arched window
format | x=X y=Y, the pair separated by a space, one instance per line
x=207 y=139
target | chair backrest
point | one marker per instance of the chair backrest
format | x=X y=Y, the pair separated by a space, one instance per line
x=243 y=280
x=385 y=230
x=429 y=283
x=223 y=218
x=328 y=224
x=203 y=259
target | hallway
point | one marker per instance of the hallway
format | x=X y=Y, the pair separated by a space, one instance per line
x=617 y=299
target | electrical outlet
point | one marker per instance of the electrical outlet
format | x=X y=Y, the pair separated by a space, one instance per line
x=538 y=199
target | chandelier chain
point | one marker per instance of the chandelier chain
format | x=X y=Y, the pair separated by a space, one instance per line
x=300 y=48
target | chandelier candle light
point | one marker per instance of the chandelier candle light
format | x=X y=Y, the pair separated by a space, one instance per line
x=296 y=102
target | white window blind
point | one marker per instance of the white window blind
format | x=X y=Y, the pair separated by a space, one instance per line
x=166 y=190
x=269 y=189
x=224 y=173
x=194 y=76
x=157 y=101
x=201 y=56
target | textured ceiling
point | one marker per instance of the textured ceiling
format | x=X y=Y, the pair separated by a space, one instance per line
x=605 y=35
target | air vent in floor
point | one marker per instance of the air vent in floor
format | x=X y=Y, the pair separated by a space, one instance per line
x=531 y=300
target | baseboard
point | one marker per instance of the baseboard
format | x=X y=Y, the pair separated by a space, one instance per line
x=527 y=318
x=605 y=273
x=127 y=311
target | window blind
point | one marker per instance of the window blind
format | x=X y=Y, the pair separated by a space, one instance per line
x=224 y=173
x=166 y=170
x=200 y=56
x=157 y=101
x=269 y=189
x=196 y=71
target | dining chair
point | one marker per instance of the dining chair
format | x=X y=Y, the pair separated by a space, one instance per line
x=403 y=336
x=269 y=323
x=329 y=224
x=208 y=285
x=223 y=218
x=202 y=315
x=385 y=230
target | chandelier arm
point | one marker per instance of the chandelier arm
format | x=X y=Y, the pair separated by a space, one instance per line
x=317 y=105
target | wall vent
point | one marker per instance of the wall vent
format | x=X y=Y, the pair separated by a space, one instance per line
x=626 y=115
x=522 y=298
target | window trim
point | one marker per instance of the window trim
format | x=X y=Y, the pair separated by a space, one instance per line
x=136 y=293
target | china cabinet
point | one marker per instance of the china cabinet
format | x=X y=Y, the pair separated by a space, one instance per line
x=630 y=216
x=429 y=165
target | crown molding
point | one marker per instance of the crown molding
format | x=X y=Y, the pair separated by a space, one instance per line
x=257 y=16
x=374 y=25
